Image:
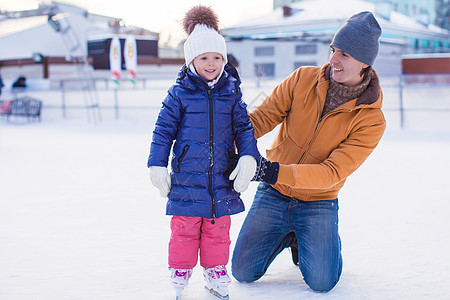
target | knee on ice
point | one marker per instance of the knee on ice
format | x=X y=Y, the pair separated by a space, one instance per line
x=242 y=276
x=322 y=286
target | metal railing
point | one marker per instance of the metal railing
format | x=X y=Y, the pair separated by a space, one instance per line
x=418 y=93
x=402 y=94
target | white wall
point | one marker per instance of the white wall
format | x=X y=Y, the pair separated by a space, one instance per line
x=284 y=56
x=387 y=63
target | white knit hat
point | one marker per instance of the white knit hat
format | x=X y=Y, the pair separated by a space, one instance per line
x=201 y=24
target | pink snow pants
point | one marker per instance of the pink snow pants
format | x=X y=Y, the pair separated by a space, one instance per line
x=189 y=234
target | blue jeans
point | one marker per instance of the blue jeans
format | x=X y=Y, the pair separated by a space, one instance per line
x=274 y=223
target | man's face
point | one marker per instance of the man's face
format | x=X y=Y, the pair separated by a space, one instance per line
x=344 y=68
x=208 y=65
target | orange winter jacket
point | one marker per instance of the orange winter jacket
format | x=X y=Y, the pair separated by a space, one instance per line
x=316 y=154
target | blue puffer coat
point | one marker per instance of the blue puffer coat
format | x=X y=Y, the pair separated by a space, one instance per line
x=206 y=124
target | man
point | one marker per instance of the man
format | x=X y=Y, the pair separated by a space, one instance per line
x=331 y=121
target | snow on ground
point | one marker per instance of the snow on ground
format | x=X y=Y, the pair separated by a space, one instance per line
x=79 y=218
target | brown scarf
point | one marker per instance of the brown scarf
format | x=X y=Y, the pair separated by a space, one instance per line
x=339 y=94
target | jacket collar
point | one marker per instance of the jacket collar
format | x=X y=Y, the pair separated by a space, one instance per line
x=372 y=97
x=192 y=81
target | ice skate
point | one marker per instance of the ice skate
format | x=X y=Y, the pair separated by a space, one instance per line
x=179 y=279
x=217 y=281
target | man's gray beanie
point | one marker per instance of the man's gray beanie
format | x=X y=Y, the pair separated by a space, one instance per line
x=359 y=37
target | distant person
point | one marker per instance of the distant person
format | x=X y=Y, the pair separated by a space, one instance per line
x=20 y=82
x=232 y=60
x=205 y=115
x=330 y=120
x=1 y=85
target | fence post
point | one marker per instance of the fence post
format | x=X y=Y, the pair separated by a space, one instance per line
x=402 y=108
x=63 y=99
x=116 y=102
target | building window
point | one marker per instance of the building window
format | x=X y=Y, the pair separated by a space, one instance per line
x=96 y=47
x=304 y=63
x=264 y=51
x=306 y=49
x=265 y=70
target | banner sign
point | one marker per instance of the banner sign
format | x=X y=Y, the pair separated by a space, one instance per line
x=130 y=55
x=115 y=59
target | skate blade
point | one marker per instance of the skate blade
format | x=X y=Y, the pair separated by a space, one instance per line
x=217 y=294
x=178 y=292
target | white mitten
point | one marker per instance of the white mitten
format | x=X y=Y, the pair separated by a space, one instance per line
x=160 y=179
x=243 y=173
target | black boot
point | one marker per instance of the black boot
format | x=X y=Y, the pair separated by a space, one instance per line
x=294 y=252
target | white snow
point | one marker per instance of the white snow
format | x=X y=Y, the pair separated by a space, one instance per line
x=79 y=218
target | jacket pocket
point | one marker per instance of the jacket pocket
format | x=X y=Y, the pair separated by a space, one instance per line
x=181 y=157
x=287 y=152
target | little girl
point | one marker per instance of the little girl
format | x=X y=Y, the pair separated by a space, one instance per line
x=206 y=117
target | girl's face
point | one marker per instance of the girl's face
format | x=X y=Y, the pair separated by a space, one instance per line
x=208 y=65
x=344 y=68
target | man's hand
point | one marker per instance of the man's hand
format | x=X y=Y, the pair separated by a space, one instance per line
x=267 y=171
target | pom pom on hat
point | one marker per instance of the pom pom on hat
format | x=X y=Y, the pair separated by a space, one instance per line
x=202 y=26
x=200 y=15
x=359 y=37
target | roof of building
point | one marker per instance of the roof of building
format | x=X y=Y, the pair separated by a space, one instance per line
x=322 y=18
x=25 y=35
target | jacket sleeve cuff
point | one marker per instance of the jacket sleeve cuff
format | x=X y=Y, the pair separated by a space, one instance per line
x=286 y=175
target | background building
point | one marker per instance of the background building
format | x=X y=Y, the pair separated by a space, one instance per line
x=299 y=34
x=436 y=12
x=49 y=43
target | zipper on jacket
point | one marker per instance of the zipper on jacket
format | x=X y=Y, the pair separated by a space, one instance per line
x=180 y=159
x=211 y=153
x=314 y=133
x=321 y=118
